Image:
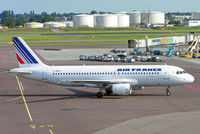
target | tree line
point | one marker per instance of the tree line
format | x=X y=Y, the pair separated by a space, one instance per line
x=9 y=19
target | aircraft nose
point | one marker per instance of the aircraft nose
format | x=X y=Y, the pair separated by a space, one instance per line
x=190 y=78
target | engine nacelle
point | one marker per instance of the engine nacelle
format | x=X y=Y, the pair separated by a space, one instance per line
x=138 y=88
x=122 y=89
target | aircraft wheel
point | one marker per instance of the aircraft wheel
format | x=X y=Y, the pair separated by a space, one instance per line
x=168 y=93
x=99 y=94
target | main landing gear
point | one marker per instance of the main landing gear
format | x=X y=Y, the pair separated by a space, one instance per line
x=100 y=94
x=168 y=93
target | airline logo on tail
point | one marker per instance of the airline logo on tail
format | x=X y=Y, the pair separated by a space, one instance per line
x=24 y=56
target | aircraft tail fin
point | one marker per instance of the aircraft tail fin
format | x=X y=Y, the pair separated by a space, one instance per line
x=25 y=56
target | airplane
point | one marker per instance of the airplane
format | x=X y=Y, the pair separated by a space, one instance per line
x=110 y=79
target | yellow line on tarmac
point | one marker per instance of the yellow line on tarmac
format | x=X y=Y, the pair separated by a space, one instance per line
x=22 y=94
x=13 y=99
x=50 y=131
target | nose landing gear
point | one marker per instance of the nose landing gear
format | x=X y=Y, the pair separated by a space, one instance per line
x=168 y=93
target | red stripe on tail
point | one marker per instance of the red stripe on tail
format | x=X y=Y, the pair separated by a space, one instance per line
x=19 y=59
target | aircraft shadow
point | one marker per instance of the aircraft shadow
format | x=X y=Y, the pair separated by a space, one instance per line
x=148 y=95
x=77 y=94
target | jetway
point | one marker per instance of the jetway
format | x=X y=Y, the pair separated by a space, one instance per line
x=175 y=40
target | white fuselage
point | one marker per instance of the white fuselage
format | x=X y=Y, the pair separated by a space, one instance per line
x=136 y=75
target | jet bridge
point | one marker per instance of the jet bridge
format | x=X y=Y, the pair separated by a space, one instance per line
x=177 y=40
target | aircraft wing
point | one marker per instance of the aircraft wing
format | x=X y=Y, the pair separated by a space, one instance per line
x=115 y=81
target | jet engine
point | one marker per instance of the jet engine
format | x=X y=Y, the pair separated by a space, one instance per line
x=122 y=89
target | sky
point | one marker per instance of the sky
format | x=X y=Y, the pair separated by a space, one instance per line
x=86 y=6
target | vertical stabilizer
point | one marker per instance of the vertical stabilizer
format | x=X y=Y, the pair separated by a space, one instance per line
x=25 y=56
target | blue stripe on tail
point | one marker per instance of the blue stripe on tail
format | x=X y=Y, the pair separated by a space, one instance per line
x=24 y=51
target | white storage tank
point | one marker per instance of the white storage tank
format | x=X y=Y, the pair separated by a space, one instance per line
x=135 y=18
x=153 y=17
x=145 y=18
x=156 y=17
x=54 y=24
x=94 y=15
x=122 y=20
x=196 y=15
x=106 y=20
x=34 y=25
x=68 y=24
x=47 y=24
x=83 y=20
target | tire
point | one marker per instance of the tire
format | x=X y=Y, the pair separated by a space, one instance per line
x=168 y=93
x=99 y=95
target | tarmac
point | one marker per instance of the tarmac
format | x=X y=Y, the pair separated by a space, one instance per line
x=50 y=109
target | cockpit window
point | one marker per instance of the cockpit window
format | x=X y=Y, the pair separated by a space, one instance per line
x=180 y=72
